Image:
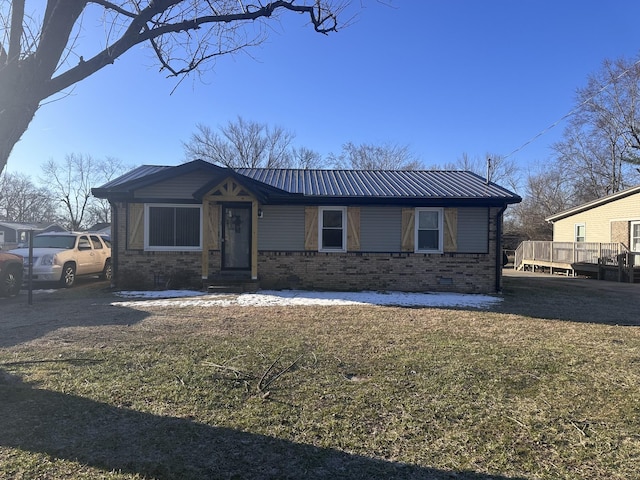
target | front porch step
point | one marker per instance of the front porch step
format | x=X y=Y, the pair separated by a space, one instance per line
x=230 y=283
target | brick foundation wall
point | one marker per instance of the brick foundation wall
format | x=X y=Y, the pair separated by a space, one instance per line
x=411 y=272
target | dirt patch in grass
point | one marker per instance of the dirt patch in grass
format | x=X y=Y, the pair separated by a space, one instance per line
x=531 y=389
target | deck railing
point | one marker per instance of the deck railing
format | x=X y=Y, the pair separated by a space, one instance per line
x=567 y=253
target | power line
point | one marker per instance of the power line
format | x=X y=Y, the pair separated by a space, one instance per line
x=576 y=109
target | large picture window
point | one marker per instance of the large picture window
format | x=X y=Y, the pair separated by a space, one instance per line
x=332 y=229
x=429 y=231
x=173 y=227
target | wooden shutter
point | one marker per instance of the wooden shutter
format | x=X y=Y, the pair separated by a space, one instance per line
x=450 y=229
x=408 y=229
x=353 y=229
x=311 y=228
x=213 y=226
x=135 y=226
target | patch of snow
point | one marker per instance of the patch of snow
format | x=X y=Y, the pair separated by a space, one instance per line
x=265 y=298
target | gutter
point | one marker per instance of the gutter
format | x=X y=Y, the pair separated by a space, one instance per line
x=499 y=248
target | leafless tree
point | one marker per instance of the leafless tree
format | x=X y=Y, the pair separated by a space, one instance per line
x=99 y=209
x=375 y=157
x=498 y=169
x=71 y=182
x=242 y=143
x=548 y=193
x=306 y=158
x=23 y=201
x=602 y=139
x=43 y=51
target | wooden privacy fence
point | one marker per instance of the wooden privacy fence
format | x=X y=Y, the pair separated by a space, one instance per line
x=566 y=255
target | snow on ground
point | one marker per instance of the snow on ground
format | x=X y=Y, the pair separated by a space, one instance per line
x=187 y=298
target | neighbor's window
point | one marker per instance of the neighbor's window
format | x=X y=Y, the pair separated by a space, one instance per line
x=332 y=229
x=429 y=231
x=635 y=237
x=580 y=232
x=173 y=227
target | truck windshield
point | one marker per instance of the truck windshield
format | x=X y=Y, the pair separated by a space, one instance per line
x=54 y=241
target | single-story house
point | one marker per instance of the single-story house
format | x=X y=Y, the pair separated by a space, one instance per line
x=611 y=219
x=16 y=233
x=103 y=228
x=310 y=229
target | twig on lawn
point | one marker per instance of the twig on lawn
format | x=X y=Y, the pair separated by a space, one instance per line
x=235 y=371
x=266 y=372
x=262 y=387
x=518 y=422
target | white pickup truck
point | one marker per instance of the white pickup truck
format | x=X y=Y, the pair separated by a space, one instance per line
x=61 y=256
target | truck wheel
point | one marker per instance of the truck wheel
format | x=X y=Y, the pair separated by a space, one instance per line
x=68 y=275
x=10 y=283
x=107 y=272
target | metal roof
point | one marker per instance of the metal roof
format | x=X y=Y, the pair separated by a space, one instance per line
x=379 y=183
x=375 y=185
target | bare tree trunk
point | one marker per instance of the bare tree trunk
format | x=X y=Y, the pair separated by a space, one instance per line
x=18 y=105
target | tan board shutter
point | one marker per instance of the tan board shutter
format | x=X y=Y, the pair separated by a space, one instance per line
x=311 y=228
x=213 y=226
x=353 y=229
x=135 y=226
x=408 y=229
x=450 y=229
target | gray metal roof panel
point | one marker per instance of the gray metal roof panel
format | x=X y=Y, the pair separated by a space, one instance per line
x=375 y=184
x=379 y=183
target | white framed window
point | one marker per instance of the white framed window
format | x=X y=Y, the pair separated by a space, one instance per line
x=635 y=237
x=169 y=227
x=332 y=229
x=580 y=232
x=429 y=230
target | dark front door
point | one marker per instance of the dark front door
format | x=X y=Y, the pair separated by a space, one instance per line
x=236 y=237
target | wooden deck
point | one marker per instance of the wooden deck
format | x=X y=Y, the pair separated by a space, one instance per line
x=610 y=261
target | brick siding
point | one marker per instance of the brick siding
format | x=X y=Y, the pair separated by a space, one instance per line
x=411 y=272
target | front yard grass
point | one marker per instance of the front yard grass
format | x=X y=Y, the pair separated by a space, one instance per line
x=323 y=392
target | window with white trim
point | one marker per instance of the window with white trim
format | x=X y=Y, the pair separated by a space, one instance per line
x=173 y=227
x=581 y=232
x=332 y=229
x=429 y=230
x=635 y=237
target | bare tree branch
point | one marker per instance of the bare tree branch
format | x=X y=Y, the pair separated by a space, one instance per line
x=184 y=34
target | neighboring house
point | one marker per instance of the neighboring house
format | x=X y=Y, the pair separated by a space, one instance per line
x=103 y=228
x=310 y=229
x=13 y=234
x=611 y=219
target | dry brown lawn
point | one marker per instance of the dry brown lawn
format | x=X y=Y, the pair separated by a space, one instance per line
x=545 y=385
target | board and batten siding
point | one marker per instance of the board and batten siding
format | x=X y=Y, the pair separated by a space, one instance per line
x=281 y=228
x=181 y=187
x=473 y=230
x=380 y=229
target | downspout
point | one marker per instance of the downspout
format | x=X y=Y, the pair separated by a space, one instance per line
x=114 y=243
x=499 y=248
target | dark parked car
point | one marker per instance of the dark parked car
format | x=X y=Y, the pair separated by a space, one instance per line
x=10 y=274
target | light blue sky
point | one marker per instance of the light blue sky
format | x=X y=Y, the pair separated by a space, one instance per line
x=445 y=77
